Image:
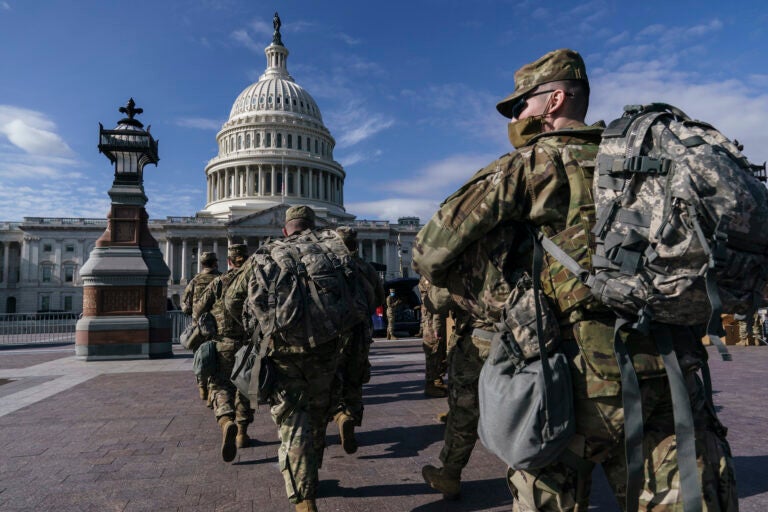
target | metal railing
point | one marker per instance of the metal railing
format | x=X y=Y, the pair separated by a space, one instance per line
x=24 y=328
x=41 y=328
x=179 y=322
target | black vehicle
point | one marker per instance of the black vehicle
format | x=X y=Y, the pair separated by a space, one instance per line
x=408 y=314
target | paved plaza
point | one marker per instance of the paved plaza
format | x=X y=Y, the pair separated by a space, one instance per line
x=132 y=435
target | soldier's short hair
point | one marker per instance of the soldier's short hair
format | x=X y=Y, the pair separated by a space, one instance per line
x=208 y=258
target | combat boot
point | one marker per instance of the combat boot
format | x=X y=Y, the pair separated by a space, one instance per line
x=306 y=506
x=228 y=435
x=447 y=480
x=442 y=417
x=347 y=432
x=203 y=390
x=436 y=388
x=242 y=440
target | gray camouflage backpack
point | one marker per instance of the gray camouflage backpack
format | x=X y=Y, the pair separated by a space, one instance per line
x=305 y=289
x=682 y=223
x=681 y=236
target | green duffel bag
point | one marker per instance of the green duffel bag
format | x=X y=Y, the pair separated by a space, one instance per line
x=204 y=362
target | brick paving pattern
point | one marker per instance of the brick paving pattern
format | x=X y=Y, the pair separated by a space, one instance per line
x=132 y=435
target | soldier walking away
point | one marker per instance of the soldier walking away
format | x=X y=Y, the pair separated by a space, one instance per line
x=546 y=184
x=354 y=368
x=194 y=290
x=393 y=303
x=434 y=345
x=301 y=396
x=232 y=408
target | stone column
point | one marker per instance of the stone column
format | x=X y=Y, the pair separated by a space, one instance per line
x=261 y=180
x=311 y=181
x=273 y=177
x=199 y=255
x=6 y=269
x=184 y=261
x=57 y=262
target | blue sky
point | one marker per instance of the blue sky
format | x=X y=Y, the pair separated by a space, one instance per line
x=408 y=89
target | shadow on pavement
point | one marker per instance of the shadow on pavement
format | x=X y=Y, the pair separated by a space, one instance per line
x=405 y=441
x=475 y=494
x=751 y=475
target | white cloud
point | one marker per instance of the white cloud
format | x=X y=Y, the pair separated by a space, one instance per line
x=355 y=123
x=351 y=159
x=182 y=200
x=52 y=200
x=4 y=6
x=261 y=28
x=392 y=209
x=241 y=37
x=440 y=178
x=32 y=132
x=200 y=123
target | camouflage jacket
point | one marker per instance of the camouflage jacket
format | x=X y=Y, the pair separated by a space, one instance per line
x=195 y=288
x=229 y=323
x=476 y=245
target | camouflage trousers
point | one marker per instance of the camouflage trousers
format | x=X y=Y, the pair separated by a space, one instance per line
x=390 y=326
x=749 y=330
x=224 y=397
x=300 y=405
x=599 y=439
x=466 y=361
x=353 y=370
x=434 y=352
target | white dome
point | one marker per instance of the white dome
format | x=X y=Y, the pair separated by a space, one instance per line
x=275 y=95
x=274 y=149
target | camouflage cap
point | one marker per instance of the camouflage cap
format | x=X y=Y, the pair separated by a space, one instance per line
x=237 y=250
x=300 y=212
x=563 y=64
x=208 y=257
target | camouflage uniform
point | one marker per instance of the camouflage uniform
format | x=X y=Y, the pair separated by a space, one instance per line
x=193 y=291
x=433 y=337
x=301 y=398
x=227 y=401
x=547 y=183
x=392 y=304
x=354 y=369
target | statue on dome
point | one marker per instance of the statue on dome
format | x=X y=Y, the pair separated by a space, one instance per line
x=276 y=36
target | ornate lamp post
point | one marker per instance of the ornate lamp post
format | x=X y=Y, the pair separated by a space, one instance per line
x=125 y=278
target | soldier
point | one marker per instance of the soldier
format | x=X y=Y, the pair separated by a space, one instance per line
x=393 y=303
x=354 y=369
x=194 y=290
x=539 y=184
x=301 y=398
x=433 y=343
x=232 y=409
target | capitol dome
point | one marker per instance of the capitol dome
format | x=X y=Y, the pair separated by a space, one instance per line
x=274 y=149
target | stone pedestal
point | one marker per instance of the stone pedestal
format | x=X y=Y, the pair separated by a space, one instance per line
x=125 y=278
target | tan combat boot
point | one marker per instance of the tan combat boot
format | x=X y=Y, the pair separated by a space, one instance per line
x=436 y=388
x=346 y=426
x=242 y=440
x=228 y=434
x=203 y=390
x=446 y=480
x=442 y=417
x=306 y=506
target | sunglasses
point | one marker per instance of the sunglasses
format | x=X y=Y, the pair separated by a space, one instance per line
x=518 y=107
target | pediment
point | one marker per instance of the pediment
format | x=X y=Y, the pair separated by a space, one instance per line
x=271 y=217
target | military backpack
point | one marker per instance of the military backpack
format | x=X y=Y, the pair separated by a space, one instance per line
x=304 y=290
x=679 y=236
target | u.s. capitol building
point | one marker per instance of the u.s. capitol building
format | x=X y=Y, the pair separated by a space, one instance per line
x=274 y=152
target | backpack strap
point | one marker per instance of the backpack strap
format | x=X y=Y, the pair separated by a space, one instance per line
x=546 y=368
x=685 y=437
